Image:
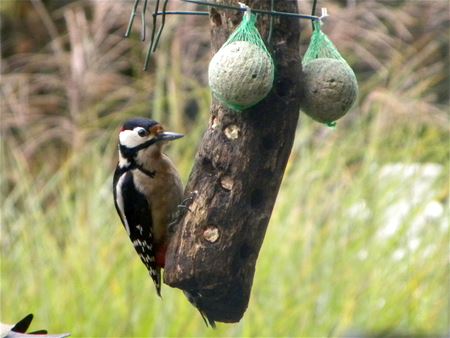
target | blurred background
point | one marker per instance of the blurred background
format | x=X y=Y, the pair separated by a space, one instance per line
x=358 y=243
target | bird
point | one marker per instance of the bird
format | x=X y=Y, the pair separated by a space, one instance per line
x=147 y=190
x=148 y=196
x=19 y=330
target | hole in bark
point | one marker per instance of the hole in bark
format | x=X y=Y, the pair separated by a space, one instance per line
x=207 y=165
x=226 y=182
x=256 y=198
x=284 y=86
x=268 y=142
x=245 y=251
x=211 y=234
x=232 y=131
x=237 y=19
x=215 y=17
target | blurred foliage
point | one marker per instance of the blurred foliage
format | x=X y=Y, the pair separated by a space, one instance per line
x=69 y=79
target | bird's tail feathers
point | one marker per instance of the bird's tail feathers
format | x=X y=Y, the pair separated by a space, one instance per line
x=195 y=299
x=156 y=276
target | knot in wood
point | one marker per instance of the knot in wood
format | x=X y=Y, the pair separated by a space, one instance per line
x=211 y=234
x=232 y=132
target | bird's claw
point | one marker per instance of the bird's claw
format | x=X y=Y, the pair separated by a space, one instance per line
x=181 y=210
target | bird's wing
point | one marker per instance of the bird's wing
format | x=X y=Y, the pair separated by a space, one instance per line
x=19 y=330
x=13 y=334
x=135 y=213
x=23 y=324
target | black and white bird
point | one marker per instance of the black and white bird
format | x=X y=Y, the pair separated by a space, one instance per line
x=147 y=194
x=147 y=190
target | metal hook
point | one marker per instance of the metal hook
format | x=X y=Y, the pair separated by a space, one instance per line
x=152 y=38
x=155 y=17
x=246 y=9
x=258 y=11
x=143 y=28
x=130 y=22
x=155 y=36
x=313 y=12
x=163 y=22
x=324 y=14
x=269 y=38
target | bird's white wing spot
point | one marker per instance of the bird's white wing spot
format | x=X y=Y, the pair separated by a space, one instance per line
x=120 y=202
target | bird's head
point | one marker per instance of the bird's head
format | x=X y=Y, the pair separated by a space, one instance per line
x=140 y=133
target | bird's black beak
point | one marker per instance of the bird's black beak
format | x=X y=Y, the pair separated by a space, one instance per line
x=168 y=136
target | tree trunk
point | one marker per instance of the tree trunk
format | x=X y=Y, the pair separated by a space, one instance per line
x=237 y=174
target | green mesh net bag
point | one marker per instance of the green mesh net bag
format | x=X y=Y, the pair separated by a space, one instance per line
x=330 y=85
x=241 y=73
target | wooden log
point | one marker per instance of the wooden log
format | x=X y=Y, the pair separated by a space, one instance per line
x=237 y=174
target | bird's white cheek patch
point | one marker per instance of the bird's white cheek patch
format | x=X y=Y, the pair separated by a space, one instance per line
x=130 y=139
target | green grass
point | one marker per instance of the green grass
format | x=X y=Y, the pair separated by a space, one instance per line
x=322 y=270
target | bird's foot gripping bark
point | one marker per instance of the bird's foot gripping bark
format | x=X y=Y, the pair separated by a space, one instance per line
x=182 y=208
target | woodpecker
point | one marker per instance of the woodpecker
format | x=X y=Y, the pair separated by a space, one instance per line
x=147 y=190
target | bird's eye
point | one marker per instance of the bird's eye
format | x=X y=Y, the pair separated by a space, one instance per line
x=142 y=132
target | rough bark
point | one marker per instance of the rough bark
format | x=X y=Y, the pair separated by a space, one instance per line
x=237 y=174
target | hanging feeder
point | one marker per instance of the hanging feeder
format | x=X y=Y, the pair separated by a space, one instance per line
x=330 y=86
x=241 y=73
